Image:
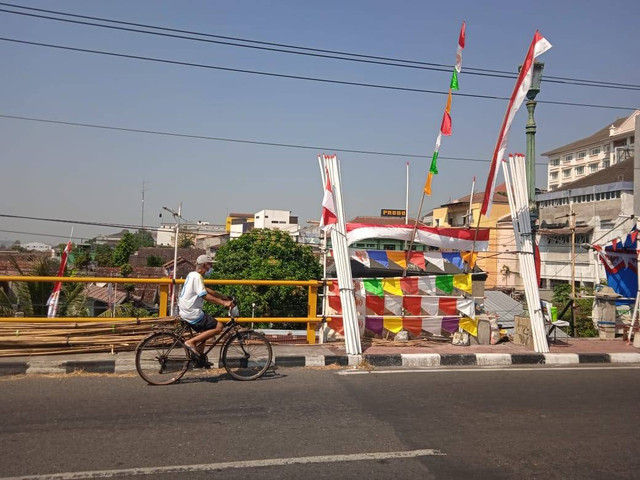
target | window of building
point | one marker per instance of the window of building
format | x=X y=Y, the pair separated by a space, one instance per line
x=388 y=246
x=606 y=163
x=554 y=175
x=567 y=158
x=581 y=155
x=595 y=151
x=566 y=173
x=580 y=170
x=593 y=168
x=606 y=148
x=554 y=162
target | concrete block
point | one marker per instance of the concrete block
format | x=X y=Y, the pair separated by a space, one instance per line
x=625 y=357
x=420 y=359
x=314 y=361
x=561 y=358
x=491 y=359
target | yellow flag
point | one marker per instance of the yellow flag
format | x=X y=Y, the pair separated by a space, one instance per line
x=470 y=258
x=448 y=107
x=393 y=324
x=398 y=257
x=469 y=325
x=427 y=185
x=391 y=285
x=462 y=282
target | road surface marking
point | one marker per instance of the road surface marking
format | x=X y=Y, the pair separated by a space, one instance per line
x=209 y=467
x=541 y=368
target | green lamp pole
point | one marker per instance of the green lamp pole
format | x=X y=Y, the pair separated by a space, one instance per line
x=531 y=133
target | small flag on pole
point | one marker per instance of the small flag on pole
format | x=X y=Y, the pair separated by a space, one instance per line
x=54 y=298
x=329 y=217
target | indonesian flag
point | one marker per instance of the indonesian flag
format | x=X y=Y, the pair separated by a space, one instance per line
x=538 y=46
x=55 y=295
x=328 y=208
x=461 y=239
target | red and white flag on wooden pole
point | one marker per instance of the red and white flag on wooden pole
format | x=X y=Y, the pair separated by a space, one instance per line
x=329 y=217
x=55 y=295
x=538 y=46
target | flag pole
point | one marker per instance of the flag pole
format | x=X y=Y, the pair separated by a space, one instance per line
x=445 y=129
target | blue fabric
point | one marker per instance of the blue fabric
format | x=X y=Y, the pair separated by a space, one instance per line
x=454 y=258
x=379 y=256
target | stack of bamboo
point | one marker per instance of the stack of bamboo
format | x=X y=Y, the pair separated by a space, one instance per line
x=20 y=338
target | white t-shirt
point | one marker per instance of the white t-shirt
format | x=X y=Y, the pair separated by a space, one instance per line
x=191 y=298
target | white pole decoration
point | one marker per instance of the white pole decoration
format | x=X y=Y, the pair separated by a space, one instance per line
x=342 y=260
x=515 y=177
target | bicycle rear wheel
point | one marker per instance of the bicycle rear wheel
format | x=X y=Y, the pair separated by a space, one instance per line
x=247 y=355
x=162 y=358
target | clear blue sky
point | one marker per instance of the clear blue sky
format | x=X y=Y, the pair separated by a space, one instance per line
x=96 y=175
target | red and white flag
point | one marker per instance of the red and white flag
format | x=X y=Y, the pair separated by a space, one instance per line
x=538 y=46
x=55 y=295
x=329 y=217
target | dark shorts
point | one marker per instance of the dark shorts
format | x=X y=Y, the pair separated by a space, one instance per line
x=206 y=323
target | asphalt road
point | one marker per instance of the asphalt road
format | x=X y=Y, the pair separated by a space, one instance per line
x=491 y=424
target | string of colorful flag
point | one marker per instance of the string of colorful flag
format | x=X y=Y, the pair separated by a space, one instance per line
x=445 y=126
x=428 y=303
x=389 y=258
x=415 y=326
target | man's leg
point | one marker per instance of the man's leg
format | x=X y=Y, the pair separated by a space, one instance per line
x=198 y=342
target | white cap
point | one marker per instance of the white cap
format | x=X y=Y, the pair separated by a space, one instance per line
x=202 y=259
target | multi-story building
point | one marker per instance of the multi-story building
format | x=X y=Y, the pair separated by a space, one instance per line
x=598 y=203
x=239 y=223
x=608 y=146
x=199 y=229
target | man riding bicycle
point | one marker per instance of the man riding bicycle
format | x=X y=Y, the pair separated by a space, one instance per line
x=190 y=304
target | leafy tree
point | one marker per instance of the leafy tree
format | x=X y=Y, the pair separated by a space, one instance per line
x=154 y=261
x=125 y=247
x=143 y=238
x=583 y=307
x=186 y=240
x=266 y=255
x=104 y=255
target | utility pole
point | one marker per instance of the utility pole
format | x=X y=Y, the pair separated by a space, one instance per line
x=177 y=216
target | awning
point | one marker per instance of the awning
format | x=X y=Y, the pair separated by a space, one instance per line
x=563 y=231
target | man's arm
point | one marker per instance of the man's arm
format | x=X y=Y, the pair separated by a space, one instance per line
x=216 y=297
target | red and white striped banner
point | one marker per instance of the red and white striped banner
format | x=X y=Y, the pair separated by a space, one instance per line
x=54 y=298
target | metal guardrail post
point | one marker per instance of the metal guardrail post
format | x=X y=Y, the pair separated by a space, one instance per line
x=164 y=300
x=312 y=308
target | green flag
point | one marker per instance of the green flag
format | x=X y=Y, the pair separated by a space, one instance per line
x=454 y=80
x=444 y=283
x=373 y=286
x=434 y=165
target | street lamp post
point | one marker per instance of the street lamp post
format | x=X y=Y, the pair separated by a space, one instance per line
x=531 y=131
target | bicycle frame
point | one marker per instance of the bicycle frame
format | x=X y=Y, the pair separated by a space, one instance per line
x=230 y=327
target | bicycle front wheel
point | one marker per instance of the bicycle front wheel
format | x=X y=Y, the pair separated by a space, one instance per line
x=247 y=355
x=162 y=358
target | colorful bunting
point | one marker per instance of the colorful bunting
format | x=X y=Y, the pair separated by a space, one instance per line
x=462 y=282
x=373 y=286
x=444 y=283
x=435 y=258
x=412 y=305
x=427 y=285
x=432 y=325
x=450 y=324
x=375 y=305
x=379 y=256
x=417 y=259
x=398 y=257
x=409 y=285
x=374 y=324
x=412 y=325
x=469 y=325
x=363 y=257
x=392 y=286
x=393 y=324
x=431 y=305
x=448 y=306
x=337 y=325
x=393 y=304
x=445 y=127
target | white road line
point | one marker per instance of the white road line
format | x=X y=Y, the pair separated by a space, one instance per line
x=542 y=368
x=208 y=467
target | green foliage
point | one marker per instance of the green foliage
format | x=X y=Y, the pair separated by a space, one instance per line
x=129 y=243
x=81 y=259
x=186 y=240
x=127 y=309
x=266 y=255
x=154 y=261
x=104 y=255
x=583 y=308
x=126 y=270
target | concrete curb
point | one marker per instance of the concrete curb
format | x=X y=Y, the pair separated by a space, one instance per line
x=403 y=360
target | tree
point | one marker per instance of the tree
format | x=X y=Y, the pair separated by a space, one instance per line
x=104 y=255
x=267 y=255
x=583 y=306
x=125 y=247
x=186 y=240
x=154 y=261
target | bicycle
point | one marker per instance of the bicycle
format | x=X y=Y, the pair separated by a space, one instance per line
x=162 y=358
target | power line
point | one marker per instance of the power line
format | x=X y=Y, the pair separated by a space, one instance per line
x=236 y=140
x=296 y=77
x=318 y=52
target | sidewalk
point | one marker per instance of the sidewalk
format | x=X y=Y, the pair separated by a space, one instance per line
x=577 y=351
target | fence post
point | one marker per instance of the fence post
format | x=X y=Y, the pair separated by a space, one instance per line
x=312 y=308
x=164 y=296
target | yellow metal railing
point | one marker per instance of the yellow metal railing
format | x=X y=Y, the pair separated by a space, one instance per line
x=311 y=319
